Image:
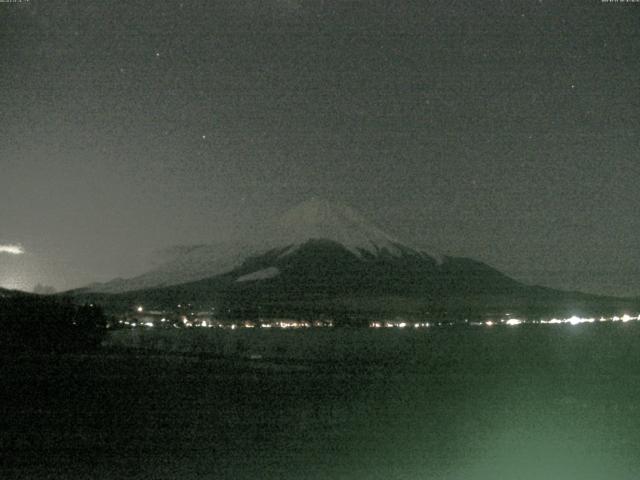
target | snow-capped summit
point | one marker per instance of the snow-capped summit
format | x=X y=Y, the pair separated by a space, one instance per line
x=318 y=219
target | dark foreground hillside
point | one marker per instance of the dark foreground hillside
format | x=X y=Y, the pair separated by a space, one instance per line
x=528 y=403
x=34 y=323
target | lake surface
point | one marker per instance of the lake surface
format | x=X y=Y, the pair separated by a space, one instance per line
x=540 y=402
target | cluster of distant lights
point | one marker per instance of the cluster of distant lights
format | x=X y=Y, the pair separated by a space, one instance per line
x=574 y=320
x=399 y=324
x=186 y=322
x=287 y=324
x=196 y=323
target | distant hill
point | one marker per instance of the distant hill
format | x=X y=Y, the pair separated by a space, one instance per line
x=6 y=293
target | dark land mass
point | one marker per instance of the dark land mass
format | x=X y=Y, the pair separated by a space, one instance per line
x=35 y=323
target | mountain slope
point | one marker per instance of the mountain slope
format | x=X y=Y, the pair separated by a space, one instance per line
x=186 y=265
x=314 y=219
x=322 y=277
x=322 y=258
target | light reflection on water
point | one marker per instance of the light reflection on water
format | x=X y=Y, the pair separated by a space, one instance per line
x=412 y=426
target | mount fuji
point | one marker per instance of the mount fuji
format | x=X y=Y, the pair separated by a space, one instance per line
x=321 y=257
x=313 y=220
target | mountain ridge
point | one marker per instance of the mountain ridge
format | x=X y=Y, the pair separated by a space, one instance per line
x=313 y=219
x=326 y=259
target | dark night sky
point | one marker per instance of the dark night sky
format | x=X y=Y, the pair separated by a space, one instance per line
x=504 y=131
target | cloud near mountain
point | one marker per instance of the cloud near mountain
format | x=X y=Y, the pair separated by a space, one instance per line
x=11 y=249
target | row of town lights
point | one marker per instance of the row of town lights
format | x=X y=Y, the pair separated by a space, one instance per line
x=573 y=320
